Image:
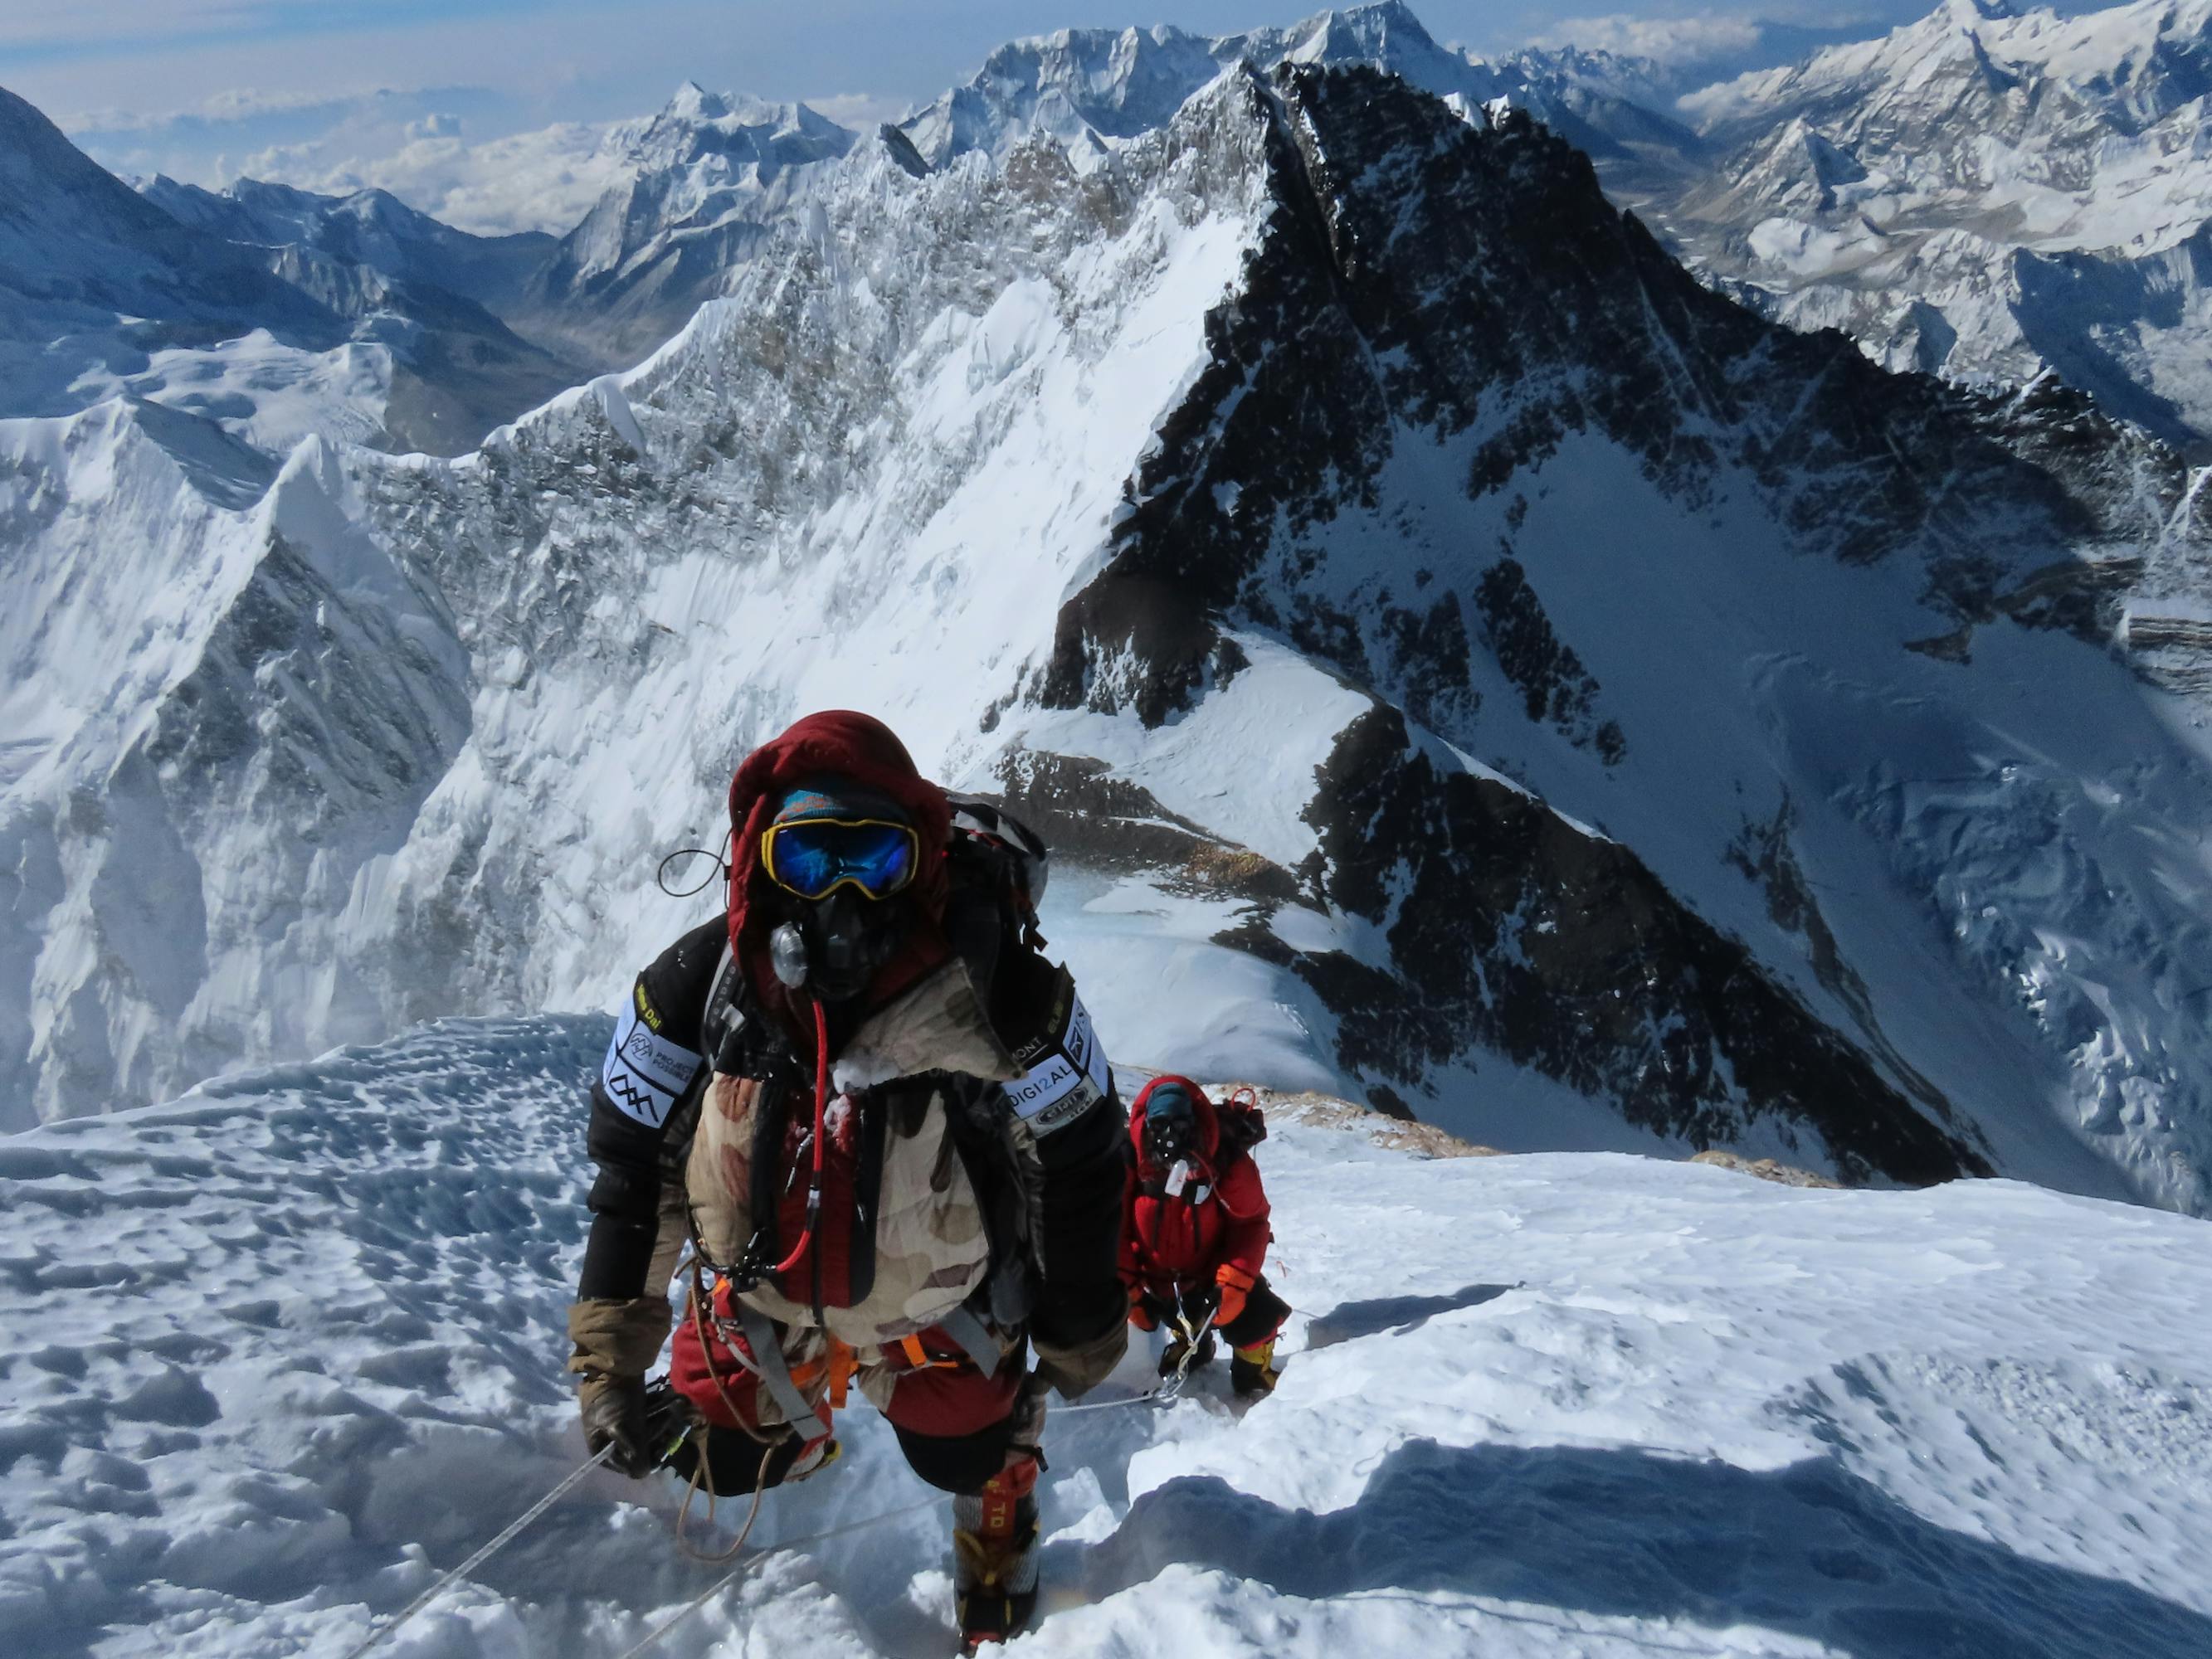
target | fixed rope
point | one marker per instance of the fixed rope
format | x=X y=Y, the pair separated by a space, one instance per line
x=757 y=1557
x=1167 y=1391
x=376 y=1637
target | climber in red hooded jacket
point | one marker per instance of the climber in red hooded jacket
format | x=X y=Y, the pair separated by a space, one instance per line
x=1195 y=1239
x=880 y=1123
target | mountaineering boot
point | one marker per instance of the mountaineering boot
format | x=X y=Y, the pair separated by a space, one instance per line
x=1252 y=1370
x=1178 y=1345
x=995 y=1556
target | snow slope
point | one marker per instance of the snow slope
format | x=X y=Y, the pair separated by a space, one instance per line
x=219 y=702
x=278 y=1353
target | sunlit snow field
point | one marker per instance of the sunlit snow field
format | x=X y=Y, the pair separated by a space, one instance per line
x=276 y=1355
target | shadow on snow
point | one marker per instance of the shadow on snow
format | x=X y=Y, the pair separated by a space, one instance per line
x=1809 y=1550
x=1349 y=1320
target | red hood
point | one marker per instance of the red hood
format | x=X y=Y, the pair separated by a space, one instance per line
x=844 y=745
x=1209 y=1126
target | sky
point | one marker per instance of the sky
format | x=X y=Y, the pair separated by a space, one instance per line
x=489 y=113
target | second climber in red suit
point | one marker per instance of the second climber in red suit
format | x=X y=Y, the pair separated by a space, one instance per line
x=1196 y=1238
x=881 y=1122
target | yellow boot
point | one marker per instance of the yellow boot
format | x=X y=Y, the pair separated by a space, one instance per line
x=1252 y=1370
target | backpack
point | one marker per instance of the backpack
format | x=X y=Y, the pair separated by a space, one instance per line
x=1239 y=1126
x=1019 y=862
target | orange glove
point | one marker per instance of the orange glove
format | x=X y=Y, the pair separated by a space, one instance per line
x=1141 y=1309
x=1236 y=1284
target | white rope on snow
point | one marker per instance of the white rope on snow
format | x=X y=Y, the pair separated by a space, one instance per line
x=757 y=1557
x=513 y=1529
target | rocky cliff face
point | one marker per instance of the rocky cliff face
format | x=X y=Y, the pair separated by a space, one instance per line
x=1492 y=363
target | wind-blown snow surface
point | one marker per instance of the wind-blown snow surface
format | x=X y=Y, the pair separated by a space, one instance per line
x=278 y=1353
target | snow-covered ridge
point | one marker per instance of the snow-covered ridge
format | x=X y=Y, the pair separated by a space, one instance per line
x=899 y=390
x=280 y=1353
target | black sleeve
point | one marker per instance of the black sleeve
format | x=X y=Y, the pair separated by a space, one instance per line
x=1085 y=1169
x=651 y=1064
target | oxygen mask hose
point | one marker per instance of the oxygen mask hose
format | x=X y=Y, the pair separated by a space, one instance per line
x=821 y=1115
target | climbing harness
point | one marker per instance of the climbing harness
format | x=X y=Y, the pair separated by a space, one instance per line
x=513 y=1530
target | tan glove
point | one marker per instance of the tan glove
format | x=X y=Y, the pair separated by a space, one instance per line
x=1076 y=1371
x=616 y=1344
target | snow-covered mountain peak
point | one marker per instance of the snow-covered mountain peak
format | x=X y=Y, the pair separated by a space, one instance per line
x=702 y=181
x=2136 y=62
x=693 y=102
x=1316 y=497
x=52 y=189
x=1091 y=88
x=1386 y=34
x=738 y=118
x=697 y=122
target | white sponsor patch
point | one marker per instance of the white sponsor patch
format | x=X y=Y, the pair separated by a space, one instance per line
x=1063 y=1084
x=645 y=1074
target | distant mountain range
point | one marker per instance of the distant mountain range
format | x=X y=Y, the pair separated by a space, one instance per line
x=1984 y=195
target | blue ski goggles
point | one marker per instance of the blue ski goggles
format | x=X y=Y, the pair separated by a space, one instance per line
x=814 y=857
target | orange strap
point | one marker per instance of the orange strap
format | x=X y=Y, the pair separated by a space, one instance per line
x=841 y=1372
x=1229 y=1273
x=917 y=1356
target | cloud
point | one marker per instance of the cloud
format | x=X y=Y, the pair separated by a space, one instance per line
x=1675 y=42
x=419 y=143
x=863 y=112
x=545 y=181
x=223 y=109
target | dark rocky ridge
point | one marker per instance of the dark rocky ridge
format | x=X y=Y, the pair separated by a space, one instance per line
x=1514 y=930
x=1422 y=277
x=1444 y=278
